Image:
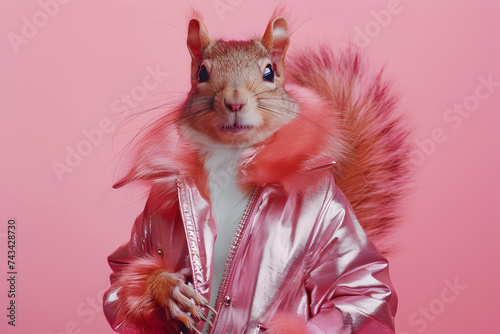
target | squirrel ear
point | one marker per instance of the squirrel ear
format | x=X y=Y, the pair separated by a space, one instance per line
x=276 y=38
x=197 y=40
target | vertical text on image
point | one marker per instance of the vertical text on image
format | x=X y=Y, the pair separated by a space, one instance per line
x=12 y=271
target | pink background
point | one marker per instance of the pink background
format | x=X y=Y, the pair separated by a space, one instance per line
x=72 y=74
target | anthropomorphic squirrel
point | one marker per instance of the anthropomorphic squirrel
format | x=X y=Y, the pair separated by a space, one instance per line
x=264 y=185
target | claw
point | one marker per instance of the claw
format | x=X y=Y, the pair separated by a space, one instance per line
x=204 y=318
x=211 y=309
x=200 y=300
x=181 y=301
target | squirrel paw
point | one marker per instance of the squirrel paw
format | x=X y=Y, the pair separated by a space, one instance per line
x=180 y=301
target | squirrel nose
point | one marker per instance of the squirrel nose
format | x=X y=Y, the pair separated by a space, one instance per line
x=234 y=107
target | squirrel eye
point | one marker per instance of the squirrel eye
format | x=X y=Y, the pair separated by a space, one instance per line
x=269 y=73
x=203 y=74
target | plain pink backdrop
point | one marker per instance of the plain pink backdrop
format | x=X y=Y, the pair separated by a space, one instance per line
x=69 y=74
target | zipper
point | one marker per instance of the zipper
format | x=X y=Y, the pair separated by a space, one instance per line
x=228 y=268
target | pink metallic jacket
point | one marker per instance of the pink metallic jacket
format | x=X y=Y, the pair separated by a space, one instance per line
x=294 y=256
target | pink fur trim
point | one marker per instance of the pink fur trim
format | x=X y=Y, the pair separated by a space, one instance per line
x=290 y=157
x=283 y=323
x=135 y=306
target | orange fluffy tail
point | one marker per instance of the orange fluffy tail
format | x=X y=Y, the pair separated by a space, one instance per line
x=374 y=171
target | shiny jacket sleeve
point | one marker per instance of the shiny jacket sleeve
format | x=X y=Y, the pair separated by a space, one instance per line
x=127 y=305
x=346 y=277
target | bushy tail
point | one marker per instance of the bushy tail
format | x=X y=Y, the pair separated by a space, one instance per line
x=374 y=172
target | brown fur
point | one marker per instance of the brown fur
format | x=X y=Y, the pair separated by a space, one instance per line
x=160 y=285
x=374 y=173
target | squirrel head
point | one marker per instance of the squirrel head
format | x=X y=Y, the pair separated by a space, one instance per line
x=237 y=96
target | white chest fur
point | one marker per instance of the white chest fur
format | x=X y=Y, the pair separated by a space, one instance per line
x=228 y=205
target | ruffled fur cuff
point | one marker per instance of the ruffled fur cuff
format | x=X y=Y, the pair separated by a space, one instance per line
x=129 y=298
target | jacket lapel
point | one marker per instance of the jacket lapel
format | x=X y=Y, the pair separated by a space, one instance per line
x=200 y=233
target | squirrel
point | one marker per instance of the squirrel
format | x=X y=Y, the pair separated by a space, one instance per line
x=263 y=185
